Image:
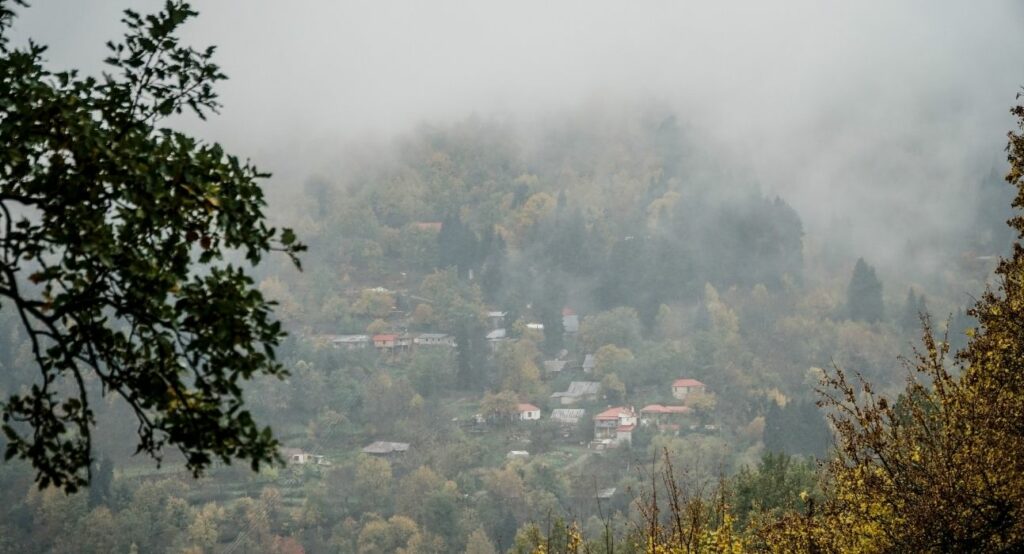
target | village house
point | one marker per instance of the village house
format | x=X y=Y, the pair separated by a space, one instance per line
x=386 y=449
x=434 y=339
x=570 y=321
x=301 y=457
x=568 y=416
x=403 y=341
x=495 y=338
x=589 y=363
x=385 y=342
x=579 y=391
x=517 y=455
x=681 y=388
x=350 y=342
x=496 y=320
x=528 y=412
x=614 y=426
x=554 y=366
x=605 y=494
x=665 y=418
x=571 y=365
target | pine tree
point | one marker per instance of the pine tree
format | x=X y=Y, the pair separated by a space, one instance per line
x=457 y=245
x=910 y=320
x=550 y=312
x=493 y=267
x=922 y=304
x=448 y=242
x=958 y=329
x=864 y=294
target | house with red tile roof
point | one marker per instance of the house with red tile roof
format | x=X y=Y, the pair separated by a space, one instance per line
x=614 y=426
x=658 y=409
x=385 y=342
x=528 y=412
x=666 y=418
x=683 y=387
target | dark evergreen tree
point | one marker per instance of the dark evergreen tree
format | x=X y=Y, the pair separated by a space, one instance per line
x=775 y=429
x=922 y=304
x=777 y=483
x=448 y=242
x=812 y=434
x=864 y=294
x=668 y=140
x=493 y=267
x=575 y=257
x=624 y=270
x=549 y=310
x=959 y=324
x=668 y=277
x=457 y=246
x=910 y=320
x=470 y=353
x=788 y=253
x=798 y=428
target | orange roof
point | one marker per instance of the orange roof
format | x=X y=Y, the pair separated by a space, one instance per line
x=615 y=413
x=624 y=428
x=687 y=383
x=528 y=408
x=568 y=311
x=384 y=337
x=659 y=409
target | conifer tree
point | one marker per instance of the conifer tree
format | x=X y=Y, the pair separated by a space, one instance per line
x=550 y=313
x=864 y=294
x=910 y=320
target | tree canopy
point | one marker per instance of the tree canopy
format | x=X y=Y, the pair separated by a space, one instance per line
x=123 y=252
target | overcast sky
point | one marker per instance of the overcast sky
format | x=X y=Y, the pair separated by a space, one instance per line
x=831 y=103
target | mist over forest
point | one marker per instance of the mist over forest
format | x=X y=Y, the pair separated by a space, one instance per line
x=855 y=114
x=553 y=254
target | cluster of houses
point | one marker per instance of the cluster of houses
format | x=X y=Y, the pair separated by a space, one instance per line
x=380 y=449
x=391 y=342
x=498 y=334
x=300 y=457
x=614 y=426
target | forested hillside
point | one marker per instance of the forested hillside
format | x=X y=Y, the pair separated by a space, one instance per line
x=623 y=245
x=601 y=329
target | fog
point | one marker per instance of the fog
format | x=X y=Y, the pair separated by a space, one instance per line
x=880 y=119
